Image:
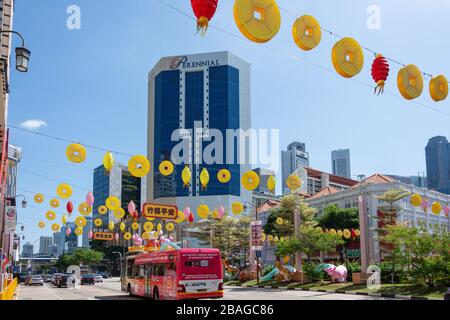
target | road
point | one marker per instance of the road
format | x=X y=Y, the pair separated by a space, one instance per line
x=110 y=290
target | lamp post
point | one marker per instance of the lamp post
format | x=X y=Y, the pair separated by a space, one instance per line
x=120 y=257
x=22 y=53
x=251 y=251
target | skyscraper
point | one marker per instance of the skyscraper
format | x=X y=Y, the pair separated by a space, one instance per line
x=340 y=163
x=438 y=164
x=193 y=99
x=27 y=250
x=45 y=244
x=291 y=159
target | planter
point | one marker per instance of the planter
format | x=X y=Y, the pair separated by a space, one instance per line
x=360 y=277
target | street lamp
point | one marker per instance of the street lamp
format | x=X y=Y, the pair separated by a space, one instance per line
x=22 y=53
x=24 y=201
x=257 y=254
x=120 y=256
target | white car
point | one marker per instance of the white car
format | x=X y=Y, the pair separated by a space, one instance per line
x=98 y=278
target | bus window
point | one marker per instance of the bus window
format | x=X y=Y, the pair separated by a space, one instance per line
x=171 y=266
x=130 y=264
x=159 y=269
x=197 y=263
x=141 y=271
x=135 y=272
x=149 y=269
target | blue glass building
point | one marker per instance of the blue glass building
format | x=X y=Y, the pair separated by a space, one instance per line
x=437 y=154
x=202 y=94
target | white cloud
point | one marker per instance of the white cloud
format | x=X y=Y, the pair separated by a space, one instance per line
x=33 y=124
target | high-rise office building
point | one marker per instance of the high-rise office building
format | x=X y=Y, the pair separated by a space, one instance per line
x=71 y=241
x=293 y=158
x=438 y=164
x=45 y=244
x=340 y=163
x=192 y=100
x=27 y=250
x=59 y=240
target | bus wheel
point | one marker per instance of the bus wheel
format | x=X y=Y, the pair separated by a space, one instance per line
x=156 y=294
x=129 y=289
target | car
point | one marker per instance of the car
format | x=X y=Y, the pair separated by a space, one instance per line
x=35 y=280
x=98 y=278
x=87 y=278
x=23 y=277
x=61 y=280
x=48 y=278
x=105 y=275
x=54 y=277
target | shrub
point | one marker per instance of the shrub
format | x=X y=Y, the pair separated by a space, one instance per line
x=267 y=269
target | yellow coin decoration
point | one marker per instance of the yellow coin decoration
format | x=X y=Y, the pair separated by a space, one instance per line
x=78 y=231
x=270 y=237
x=122 y=226
x=293 y=182
x=38 y=198
x=112 y=203
x=54 y=203
x=410 y=82
x=271 y=183
x=119 y=213
x=279 y=221
x=258 y=20
x=347 y=57
x=148 y=226
x=263 y=237
x=50 y=215
x=180 y=218
x=76 y=153
x=135 y=226
x=127 y=236
x=108 y=161
x=319 y=229
x=275 y=239
x=339 y=233
x=439 y=88
x=204 y=178
x=145 y=236
x=307 y=32
x=170 y=227
x=166 y=168
x=215 y=214
x=237 y=208
x=102 y=210
x=186 y=176
x=203 y=211
x=347 y=234
x=64 y=191
x=436 y=208
x=56 y=227
x=250 y=180
x=139 y=166
x=416 y=200
x=333 y=231
x=41 y=224
x=357 y=232
x=84 y=209
x=80 y=221
x=98 y=222
x=224 y=176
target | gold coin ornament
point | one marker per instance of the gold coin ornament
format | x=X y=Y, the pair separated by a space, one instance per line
x=80 y=221
x=270 y=237
x=271 y=183
x=203 y=211
x=135 y=226
x=127 y=236
x=275 y=239
x=258 y=20
x=436 y=208
x=347 y=57
x=279 y=221
x=307 y=32
x=54 y=203
x=50 y=215
x=98 y=222
x=416 y=200
x=263 y=237
x=186 y=176
x=293 y=182
x=76 y=153
x=145 y=236
x=237 y=208
x=108 y=161
x=439 y=88
x=339 y=233
x=224 y=176
x=39 y=198
x=102 y=210
x=84 y=209
x=122 y=226
x=78 y=231
x=119 y=213
x=64 y=191
x=166 y=168
x=56 y=227
x=41 y=224
x=410 y=82
x=347 y=234
x=148 y=226
x=139 y=166
x=250 y=180
x=180 y=218
x=319 y=229
x=333 y=232
x=170 y=227
x=112 y=203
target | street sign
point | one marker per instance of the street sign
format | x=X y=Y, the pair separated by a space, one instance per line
x=256 y=235
x=258 y=253
x=160 y=211
x=105 y=236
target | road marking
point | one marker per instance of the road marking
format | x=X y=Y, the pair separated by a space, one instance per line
x=51 y=291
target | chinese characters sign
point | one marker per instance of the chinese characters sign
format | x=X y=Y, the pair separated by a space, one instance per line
x=104 y=236
x=160 y=211
x=256 y=235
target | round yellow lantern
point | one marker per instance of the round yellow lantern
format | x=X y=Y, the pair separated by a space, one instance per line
x=56 y=227
x=270 y=237
x=279 y=221
x=41 y=224
x=102 y=210
x=135 y=226
x=38 y=198
x=357 y=232
x=416 y=200
x=347 y=57
x=293 y=182
x=80 y=221
x=410 y=82
x=307 y=32
x=166 y=168
x=50 y=215
x=127 y=236
x=339 y=233
x=119 y=213
x=76 y=153
x=64 y=191
x=224 y=176
x=98 y=222
x=145 y=235
x=347 y=234
x=258 y=20
x=78 y=231
x=112 y=203
x=275 y=239
x=439 y=88
x=170 y=227
x=139 y=166
x=84 y=209
x=54 y=203
x=250 y=180
x=148 y=226
x=333 y=231
x=203 y=211
x=237 y=208
x=436 y=208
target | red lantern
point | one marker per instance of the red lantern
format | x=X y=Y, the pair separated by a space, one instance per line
x=69 y=207
x=353 y=234
x=380 y=72
x=204 y=10
x=191 y=218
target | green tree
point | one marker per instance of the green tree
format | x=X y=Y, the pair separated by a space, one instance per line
x=84 y=256
x=334 y=217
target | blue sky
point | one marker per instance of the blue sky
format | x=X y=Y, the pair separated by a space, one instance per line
x=90 y=85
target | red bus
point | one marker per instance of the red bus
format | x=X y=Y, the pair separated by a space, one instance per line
x=174 y=274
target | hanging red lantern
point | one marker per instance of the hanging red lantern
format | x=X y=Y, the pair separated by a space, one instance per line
x=353 y=234
x=69 y=207
x=191 y=218
x=204 y=10
x=380 y=72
